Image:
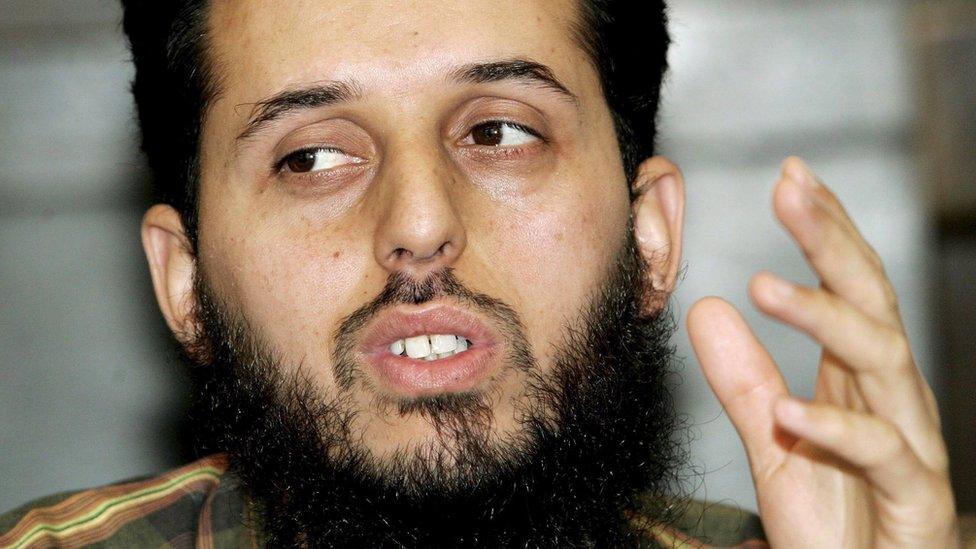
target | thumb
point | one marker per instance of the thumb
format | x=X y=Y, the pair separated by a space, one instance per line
x=741 y=374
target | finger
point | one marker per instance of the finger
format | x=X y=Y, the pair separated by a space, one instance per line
x=877 y=354
x=742 y=374
x=865 y=441
x=831 y=242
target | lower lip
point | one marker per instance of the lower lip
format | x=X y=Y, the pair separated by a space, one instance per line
x=454 y=374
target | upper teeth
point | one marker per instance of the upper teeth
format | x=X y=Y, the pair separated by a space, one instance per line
x=430 y=347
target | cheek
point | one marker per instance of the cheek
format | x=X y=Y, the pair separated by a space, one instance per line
x=555 y=253
x=295 y=283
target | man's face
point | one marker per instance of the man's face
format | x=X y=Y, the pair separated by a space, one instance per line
x=428 y=146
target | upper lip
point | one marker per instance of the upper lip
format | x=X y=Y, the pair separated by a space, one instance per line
x=438 y=318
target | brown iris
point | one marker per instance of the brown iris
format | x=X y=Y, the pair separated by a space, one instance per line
x=301 y=161
x=489 y=134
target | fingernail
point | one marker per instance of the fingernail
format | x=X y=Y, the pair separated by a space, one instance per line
x=799 y=172
x=780 y=288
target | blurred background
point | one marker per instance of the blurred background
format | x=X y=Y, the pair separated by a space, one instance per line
x=877 y=94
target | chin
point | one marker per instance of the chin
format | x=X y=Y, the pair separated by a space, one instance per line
x=437 y=428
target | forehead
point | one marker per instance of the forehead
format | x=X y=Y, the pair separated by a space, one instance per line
x=262 y=47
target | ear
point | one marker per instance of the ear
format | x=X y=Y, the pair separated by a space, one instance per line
x=658 y=213
x=172 y=265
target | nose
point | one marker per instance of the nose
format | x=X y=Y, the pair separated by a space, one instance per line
x=419 y=229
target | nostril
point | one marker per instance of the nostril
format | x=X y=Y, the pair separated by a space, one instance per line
x=419 y=255
x=437 y=253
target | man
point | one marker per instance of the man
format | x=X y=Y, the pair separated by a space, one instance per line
x=421 y=258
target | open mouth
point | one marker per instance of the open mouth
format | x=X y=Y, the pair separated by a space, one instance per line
x=430 y=349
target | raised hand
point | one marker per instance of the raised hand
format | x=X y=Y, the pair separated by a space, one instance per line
x=863 y=464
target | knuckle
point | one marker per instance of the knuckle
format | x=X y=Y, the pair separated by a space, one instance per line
x=897 y=352
x=838 y=309
x=888 y=295
x=874 y=258
x=885 y=290
x=818 y=251
x=931 y=404
x=893 y=354
x=814 y=298
x=940 y=464
x=828 y=197
x=836 y=427
x=889 y=445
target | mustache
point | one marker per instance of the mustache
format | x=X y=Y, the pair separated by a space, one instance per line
x=444 y=411
x=402 y=289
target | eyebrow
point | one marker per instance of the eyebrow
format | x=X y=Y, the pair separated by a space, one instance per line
x=332 y=92
x=522 y=70
x=268 y=110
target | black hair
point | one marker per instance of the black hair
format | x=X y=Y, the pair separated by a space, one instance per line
x=175 y=82
x=173 y=87
x=628 y=42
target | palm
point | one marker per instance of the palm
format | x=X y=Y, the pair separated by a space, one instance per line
x=863 y=464
x=811 y=483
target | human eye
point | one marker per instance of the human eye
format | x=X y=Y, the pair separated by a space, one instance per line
x=499 y=133
x=314 y=159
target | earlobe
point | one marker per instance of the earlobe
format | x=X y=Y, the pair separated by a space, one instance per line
x=172 y=266
x=658 y=213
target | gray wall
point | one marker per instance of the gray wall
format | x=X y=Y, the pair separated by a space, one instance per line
x=89 y=389
x=752 y=82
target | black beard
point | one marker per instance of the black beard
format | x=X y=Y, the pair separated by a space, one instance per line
x=596 y=436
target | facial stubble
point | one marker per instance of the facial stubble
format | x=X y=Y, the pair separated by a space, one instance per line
x=595 y=435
